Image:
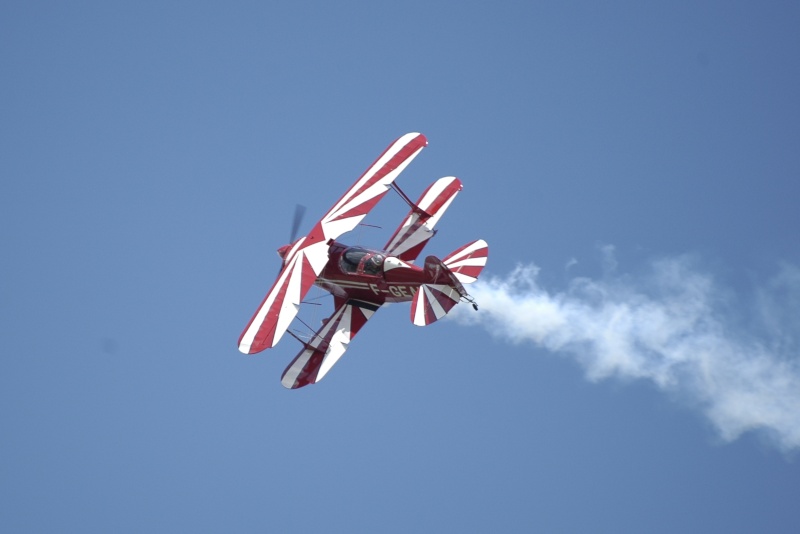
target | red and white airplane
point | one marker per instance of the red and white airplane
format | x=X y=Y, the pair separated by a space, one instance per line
x=362 y=280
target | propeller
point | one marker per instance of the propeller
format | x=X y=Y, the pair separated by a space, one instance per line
x=299 y=211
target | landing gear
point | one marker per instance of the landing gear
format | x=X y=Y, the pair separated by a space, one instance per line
x=468 y=298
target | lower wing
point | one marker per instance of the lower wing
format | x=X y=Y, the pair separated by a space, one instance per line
x=328 y=344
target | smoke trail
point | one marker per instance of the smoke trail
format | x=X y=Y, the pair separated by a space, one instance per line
x=673 y=327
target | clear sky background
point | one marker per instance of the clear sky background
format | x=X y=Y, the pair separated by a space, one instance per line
x=634 y=168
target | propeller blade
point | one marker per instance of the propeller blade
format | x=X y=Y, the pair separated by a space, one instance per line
x=299 y=211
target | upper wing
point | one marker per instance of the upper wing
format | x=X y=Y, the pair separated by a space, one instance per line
x=369 y=189
x=309 y=254
x=417 y=228
x=328 y=344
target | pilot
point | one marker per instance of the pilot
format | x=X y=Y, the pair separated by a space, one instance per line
x=373 y=264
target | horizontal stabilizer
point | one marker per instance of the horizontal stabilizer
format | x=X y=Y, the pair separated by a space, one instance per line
x=432 y=302
x=467 y=262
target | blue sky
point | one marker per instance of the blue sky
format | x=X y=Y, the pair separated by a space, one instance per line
x=628 y=159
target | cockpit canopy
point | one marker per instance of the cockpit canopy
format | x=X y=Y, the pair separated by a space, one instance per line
x=357 y=259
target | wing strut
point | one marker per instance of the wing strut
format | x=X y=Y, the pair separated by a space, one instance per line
x=418 y=227
x=308 y=344
x=414 y=207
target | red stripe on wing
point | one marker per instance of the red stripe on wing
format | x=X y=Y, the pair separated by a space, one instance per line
x=266 y=331
x=404 y=149
x=403 y=154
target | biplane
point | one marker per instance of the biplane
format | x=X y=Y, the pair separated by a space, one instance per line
x=362 y=280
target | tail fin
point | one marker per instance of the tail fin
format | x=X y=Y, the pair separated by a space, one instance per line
x=467 y=262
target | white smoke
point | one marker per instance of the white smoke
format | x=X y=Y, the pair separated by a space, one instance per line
x=673 y=327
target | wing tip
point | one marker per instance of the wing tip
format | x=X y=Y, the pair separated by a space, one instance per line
x=253 y=348
x=289 y=385
x=418 y=138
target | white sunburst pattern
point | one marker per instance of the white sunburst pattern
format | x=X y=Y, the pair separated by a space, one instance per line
x=432 y=302
x=467 y=262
